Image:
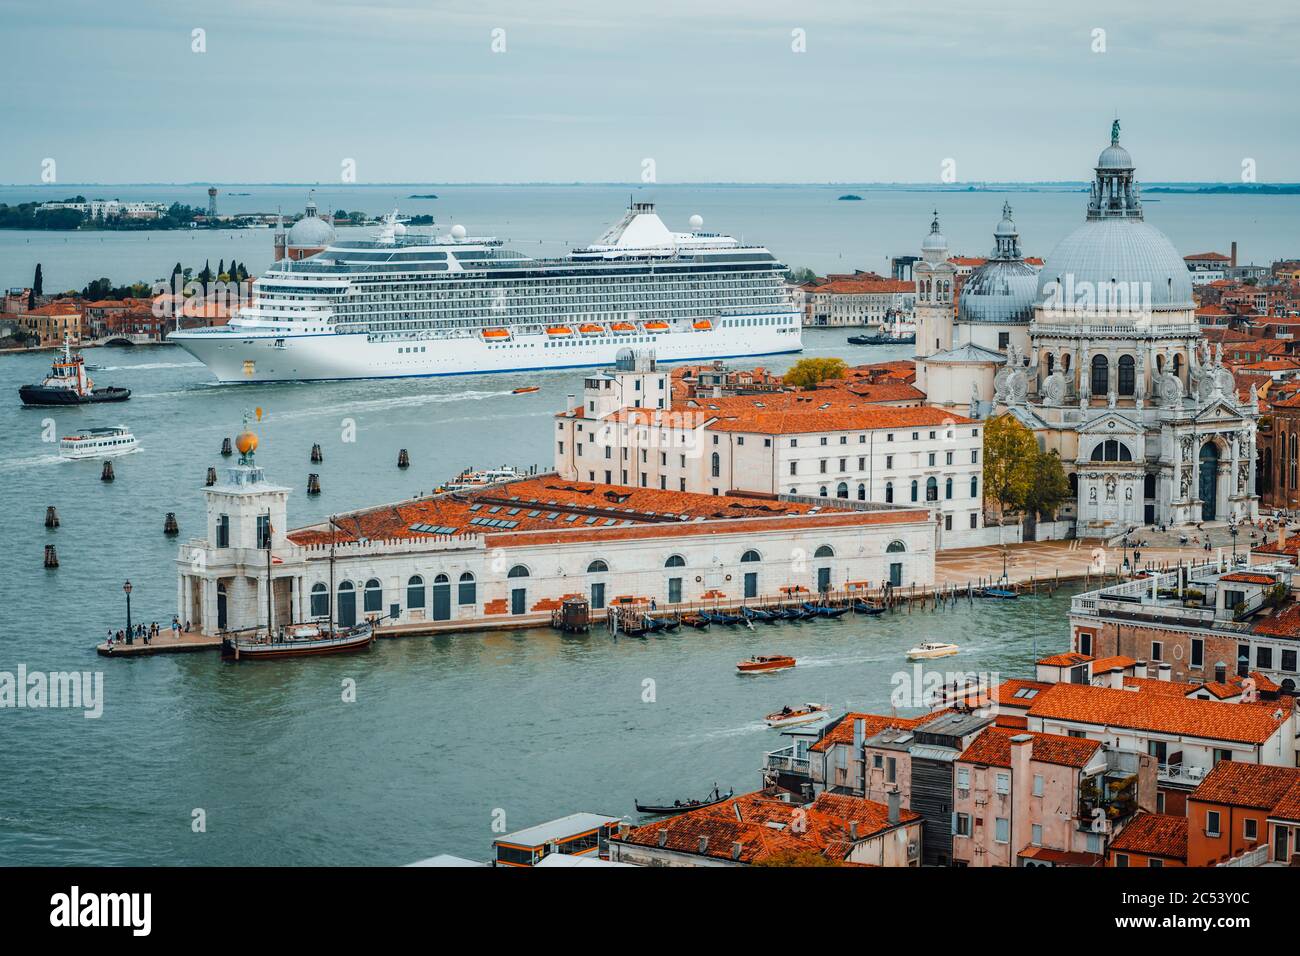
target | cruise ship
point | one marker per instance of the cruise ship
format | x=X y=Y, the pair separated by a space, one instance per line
x=400 y=304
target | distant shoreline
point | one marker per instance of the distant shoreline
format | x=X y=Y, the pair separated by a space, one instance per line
x=1052 y=185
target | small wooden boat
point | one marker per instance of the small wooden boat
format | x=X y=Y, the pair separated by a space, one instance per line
x=721 y=617
x=866 y=607
x=525 y=389
x=931 y=650
x=789 y=716
x=303 y=640
x=756 y=614
x=1004 y=594
x=825 y=610
x=761 y=663
x=682 y=806
x=697 y=621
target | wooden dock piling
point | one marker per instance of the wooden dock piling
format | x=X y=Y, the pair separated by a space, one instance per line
x=107 y=473
x=316 y=456
x=51 y=557
x=51 y=517
x=313 y=484
x=226 y=449
x=212 y=478
x=170 y=527
x=403 y=459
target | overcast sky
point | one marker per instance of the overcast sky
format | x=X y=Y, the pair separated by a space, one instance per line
x=710 y=90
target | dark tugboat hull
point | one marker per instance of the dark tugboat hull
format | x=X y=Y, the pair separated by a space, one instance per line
x=39 y=395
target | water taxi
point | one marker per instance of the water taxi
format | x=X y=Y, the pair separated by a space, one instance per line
x=789 y=716
x=759 y=664
x=468 y=480
x=525 y=389
x=98 y=443
x=930 y=650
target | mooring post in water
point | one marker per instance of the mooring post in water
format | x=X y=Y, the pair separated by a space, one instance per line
x=313 y=484
x=403 y=459
x=212 y=477
x=51 y=517
x=226 y=449
x=170 y=527
x=107 y=473
x=316 y=456
x=51 y=557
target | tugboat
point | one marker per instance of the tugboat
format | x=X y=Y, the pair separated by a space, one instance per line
x=68 y=384
x=898 y=335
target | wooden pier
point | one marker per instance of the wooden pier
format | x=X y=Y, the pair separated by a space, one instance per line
x=164 y=643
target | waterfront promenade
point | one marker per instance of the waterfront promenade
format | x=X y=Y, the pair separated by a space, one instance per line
x=164 y=643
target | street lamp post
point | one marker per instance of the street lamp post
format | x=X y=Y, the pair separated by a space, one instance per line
x=1126 y=564
x=127 y=588
x=1232 y=530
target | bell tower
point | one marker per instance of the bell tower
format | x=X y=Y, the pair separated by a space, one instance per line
x=935 y=278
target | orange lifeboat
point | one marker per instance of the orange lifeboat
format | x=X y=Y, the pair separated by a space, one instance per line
x=656 y=326
x=560 y=330
x=496 y=334
x=703 y=325
x=591 y=329
x=623 y=327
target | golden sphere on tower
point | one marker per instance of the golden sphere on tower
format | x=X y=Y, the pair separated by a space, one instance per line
x=246 y=442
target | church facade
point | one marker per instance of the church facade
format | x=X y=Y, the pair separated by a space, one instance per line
x=1100 y=354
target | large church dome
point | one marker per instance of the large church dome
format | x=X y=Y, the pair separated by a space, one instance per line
x=1116 y=247
x=1004 y=289
x=311 y=232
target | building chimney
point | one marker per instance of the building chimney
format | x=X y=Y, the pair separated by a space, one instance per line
x=1220 y=673
x=1234 y=254
x=1281 y=537
x=859 y=734
x=704 y=844
x=895 y=804
x=571 y=401
x=853 y=830
x=663 y=837
x=1140 y=669
x=736 y=849
x=1164 y=671
x=1117 y=678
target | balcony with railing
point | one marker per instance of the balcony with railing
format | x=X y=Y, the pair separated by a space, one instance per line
x=786 y=760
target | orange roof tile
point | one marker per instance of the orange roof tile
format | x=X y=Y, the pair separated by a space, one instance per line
x=1118 y=662
x=1237 y=784
x=1154 y=834
x=1207 y=719
x=842 y=731
x=1065 y=660
x=993 y=747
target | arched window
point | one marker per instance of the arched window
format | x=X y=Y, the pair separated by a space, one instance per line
x=320 y=600
x=895 y=547
x=915 y=487
x=675 y=561
x=889 y=492
x=1126 y=376
x=974 y=486
x=822 y=491
x=467 y=590
x=597 y=567
x=374 y=600
x=1065 y=362
x=947 y=488
x=1051 y=362
x=715 y=465
x=842 y=490
x=862 y=492
x=931 y=489
x=1111 y=450
x=415 y=592
x=1100 y=375
x=518 y=571
x=750 y=556
x=825 y=551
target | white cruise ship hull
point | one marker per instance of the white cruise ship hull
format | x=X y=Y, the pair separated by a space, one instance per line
x=253 y=355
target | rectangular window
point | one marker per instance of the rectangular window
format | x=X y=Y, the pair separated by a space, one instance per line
x=794 y=468
x=1289 y=661
x=1003 y=783
x=931 y=458
x=1157 y=649
x=974 y=521
x=263 y=531
x=1121 y=859
x=974 y=456
x=962 y=825
x=889 y=461
x=1038 y=784
x=223 y=531
x=891 y=769
x=1264 y=658
x=948 y=458
x=1036 y=834
x=561 y=447
x=963 y=778
x=1002 y=830
x=1085 y=643
x=1198 y=652
x=1250 y=829
x=1212 y=823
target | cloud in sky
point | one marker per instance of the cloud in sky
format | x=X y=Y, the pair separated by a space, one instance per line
x=712 y=91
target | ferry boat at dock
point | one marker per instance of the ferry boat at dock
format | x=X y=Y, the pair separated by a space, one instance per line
x=401 y=305
x=68 y=384
x=98 y=443
x=303 y=640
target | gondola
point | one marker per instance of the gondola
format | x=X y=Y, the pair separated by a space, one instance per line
x=715 y=796
x=1001 y=593
x=697 y=621
x=862 y=607
x=756 y=614
x=825 y=610
x=718 y=617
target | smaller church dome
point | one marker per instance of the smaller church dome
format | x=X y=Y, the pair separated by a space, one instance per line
x=935 y=241
x=311 y=232
x=1115 y=157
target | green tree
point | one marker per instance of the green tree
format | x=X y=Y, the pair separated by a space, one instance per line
x=810 y=372
x=1010 y=453
x=800 y=275
x=1049 y=488
x=38 y=281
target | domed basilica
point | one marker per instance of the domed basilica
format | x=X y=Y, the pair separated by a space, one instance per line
x=1100 y=354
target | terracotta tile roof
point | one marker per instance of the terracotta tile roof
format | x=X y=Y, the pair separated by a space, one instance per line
x=1288 y=808
x=1207 y=719
x=1170 y=688
x=579 y=511
x=1154 y=834
x=860 y=286
x=1019 y=693
x=1286 y=622
x=764 y=827
x=1251 y=785
x=1062 y=857
x=1065 y=660
x=1118 y=662
x=1248 y=577
x=842 y=732
x=993 y=747
x=1216 y=256
x=834 y=418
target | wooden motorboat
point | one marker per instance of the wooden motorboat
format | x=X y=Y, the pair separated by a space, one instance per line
x=760 y=663
x=682 y=806
x=525 y=389
x=789 y=716
x=930 y=650
x=303 y=640
x=696 y=621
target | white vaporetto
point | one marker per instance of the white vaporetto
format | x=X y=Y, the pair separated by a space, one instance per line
x=400 y=305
